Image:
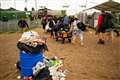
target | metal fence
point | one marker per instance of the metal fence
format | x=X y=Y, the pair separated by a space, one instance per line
x=12 y=25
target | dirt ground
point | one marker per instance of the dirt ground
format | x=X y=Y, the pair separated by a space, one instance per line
x=90 y=62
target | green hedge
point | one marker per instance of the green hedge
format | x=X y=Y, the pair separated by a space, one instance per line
x=10 y=15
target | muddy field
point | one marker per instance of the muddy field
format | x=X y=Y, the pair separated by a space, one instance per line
x=90 y=62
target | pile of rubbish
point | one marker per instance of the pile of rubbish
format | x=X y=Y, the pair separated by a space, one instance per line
x=32 y=63
x=51 y=69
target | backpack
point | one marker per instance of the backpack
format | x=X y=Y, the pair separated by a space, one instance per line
x=81 y=26
x=107 y=20
x=51 y=24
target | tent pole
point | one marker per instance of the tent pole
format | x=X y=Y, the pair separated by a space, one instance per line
x=36 y=4
x=15 y=12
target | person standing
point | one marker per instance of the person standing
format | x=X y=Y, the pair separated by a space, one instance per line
x=104 y=27
x=51 y=26
x=23 y=24
x=101 y=28
x=66 y=22
x=44 y=22
x=108 y=27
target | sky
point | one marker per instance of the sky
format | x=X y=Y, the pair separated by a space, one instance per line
x=74 y=5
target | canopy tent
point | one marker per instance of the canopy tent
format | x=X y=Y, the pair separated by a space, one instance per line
x=9 y=9
x=107 y=6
